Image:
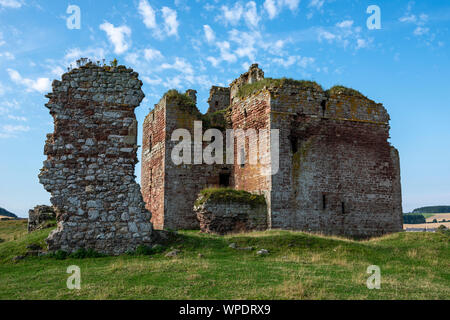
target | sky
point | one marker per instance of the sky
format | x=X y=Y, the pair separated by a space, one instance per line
x=402 y=62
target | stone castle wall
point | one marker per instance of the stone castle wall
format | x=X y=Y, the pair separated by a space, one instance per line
x=171 y=197
x=91 y=156
x=337 y=171
x=153 y=163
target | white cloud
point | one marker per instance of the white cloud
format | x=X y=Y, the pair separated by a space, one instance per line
x=271 y=8
x=326 y=35
x=361 y=43
x=302 y=62
x=95 y=54
x=225 y=53
x=180 y=65
x=274 y=7
x=345 y=24
x=7 y=55
x=150 y=81
x=209 y=33
x=232 y=15
x=152 y=54
x=419 y=31
x=57 y=71
x=17 y=118
x=170 y=21
x=40 y=84
x=409 y=18
x=214 y=61
x=117 y=36
x=317 y=4
x=11 y=4
x=148 y=14
x=292 y=4
x=251 y=14
x=9 y=131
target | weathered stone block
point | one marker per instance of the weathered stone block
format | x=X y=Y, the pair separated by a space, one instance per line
x=225 y=211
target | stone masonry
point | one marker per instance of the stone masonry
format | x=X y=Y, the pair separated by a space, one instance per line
x=230 y=216
x=91 y=156
x=40 y=217
x=338 y=173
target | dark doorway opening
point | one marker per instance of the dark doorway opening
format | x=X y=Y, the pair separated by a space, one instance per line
x=224 y=179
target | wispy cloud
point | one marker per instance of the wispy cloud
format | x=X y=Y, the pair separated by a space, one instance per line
x=40 y=84
x=11 y=4
x=233 y=15
x=148 y=14
x=170 y=21
x=10 y=131
x=117 y=36
x=209 y=33
x=274 y=7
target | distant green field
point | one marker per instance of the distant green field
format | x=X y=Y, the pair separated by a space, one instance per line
x=299 y=266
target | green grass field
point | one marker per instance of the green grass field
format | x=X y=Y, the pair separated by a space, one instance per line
x=299 y=266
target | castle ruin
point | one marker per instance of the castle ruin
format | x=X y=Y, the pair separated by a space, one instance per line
x=338 y=174
x=91 y=156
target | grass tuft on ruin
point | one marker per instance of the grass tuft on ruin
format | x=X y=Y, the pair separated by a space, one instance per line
x=251 y=88
x=342 y=90
x=229 y=195
x=220 y=119
x=182 y=100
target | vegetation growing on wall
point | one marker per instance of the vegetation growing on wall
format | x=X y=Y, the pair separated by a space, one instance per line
x=220 y=119
x=338 y=89
x=251 y=88
x=183 y=101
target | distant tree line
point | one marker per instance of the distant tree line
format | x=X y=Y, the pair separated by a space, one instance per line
x=413 y=218
x=432 y=209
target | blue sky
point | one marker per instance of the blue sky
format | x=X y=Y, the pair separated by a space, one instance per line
x=194 y=44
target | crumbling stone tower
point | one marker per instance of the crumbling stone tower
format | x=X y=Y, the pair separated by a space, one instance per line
x=91 y=156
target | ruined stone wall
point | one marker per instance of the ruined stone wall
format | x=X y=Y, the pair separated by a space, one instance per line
x=91 y=156
x=230 y=216
x=153 y=162
x=338 y=172
x=177 y=186
x=219 y=98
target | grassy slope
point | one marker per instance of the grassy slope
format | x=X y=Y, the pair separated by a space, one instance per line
x=299 y=266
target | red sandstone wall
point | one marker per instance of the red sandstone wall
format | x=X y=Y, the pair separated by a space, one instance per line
x=184 y=181
x=252 y=112
x=153 y=173
x=342 y=154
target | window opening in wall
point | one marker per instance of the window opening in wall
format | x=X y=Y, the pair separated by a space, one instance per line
x=150 y=143
x=242 y=158
x=294 y=145
x=323 y=104
x=224 y=179
x=343 y=207
x=151 y=178
x=324 y=201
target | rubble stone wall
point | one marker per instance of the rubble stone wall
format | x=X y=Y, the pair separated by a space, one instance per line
x=91 y=156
